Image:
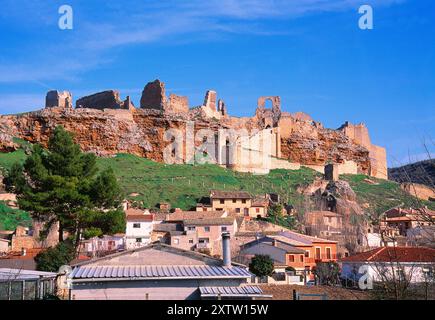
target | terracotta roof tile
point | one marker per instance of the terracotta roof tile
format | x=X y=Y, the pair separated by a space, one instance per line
x=394 y=254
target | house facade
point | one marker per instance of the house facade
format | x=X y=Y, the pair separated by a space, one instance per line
x=415 y=264
x=397 y=221
x=138 y=229
x=298 y=251
x=240 y=203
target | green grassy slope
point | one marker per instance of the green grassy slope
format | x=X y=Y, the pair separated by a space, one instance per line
x=11 y=218
x=383 y=195
x=184 y=185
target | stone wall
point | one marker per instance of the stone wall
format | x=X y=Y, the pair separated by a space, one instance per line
x=56 y=99
x=154 y=96
x=102 y=100
x=178 y=104
x=359 y=134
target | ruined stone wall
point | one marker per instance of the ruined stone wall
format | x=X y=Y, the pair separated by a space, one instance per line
x=109 y=126
x=178 y=104
x=56 y=99
x=102 y=100
x=359 y=134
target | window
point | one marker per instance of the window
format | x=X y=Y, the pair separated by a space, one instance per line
x=136 y=225
x=190 y=241
x=328 y=253
x=237 y=210
x=291 y=258
x=307 y=254
x=257 y=210
x=207 y=229
x=301 y=258
x=318 y=253
x=243 y=200
x=191 y=228
x=176 y=241
x=222 y=201
x=223 y=229
x=234 y=200
x=138 y=240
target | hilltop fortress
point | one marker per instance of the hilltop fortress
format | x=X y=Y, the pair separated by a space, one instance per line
x=104 y=124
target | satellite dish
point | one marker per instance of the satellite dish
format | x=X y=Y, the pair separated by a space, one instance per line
x=65 y=269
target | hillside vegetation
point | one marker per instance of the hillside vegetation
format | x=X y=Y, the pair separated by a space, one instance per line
x=378 y=195
x=11 y=218
x=183 y=186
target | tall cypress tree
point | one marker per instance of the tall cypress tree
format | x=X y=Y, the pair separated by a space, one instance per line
x=61 y=185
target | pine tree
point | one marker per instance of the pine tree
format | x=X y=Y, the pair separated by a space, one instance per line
x=60 y=185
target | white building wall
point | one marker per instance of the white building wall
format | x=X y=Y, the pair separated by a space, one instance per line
x=143 y=233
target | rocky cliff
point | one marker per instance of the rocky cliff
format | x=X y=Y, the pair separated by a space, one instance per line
x=122 y=128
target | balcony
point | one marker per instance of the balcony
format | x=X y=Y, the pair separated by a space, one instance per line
x=321 y=258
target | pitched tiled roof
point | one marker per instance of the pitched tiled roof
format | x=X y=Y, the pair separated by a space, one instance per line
x=298 y=239
x=192 y=215
x=209 y=221
x=394 y=254
x=140 y=217
x=218 y=194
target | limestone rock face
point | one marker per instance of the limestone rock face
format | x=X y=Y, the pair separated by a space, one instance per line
x=102 y=100
x=105 y=125
x=153 y=96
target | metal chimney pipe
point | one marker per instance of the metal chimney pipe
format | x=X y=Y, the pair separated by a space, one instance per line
x=226 y=249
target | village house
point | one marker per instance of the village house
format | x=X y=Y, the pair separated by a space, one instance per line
x=417 y=264
x=323 y=223
x=196 y=230
x=291 y=249
x=99 y=246
x=236 y=202
x=397 y=221
x=162 y=272
x=139 y=228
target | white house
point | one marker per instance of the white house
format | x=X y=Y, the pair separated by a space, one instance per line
x=416 y=264
x=103 y=244
x=139 y=228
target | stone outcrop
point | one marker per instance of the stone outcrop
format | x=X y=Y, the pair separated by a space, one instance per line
x=104 y=124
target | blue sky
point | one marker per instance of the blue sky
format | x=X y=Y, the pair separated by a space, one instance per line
x=310 y=52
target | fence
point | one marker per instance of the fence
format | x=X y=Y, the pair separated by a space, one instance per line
x=309 y=296
x=27 y=289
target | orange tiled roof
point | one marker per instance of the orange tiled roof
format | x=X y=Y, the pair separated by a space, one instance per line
x=394 y=254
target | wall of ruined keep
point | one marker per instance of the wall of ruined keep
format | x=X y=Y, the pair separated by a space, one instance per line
x=178 y=104
x=102 y=100
x=359 y=134
x=56 y=99
x=105 y=125
x=154 y=96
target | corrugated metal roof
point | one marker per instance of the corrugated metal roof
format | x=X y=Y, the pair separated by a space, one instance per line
x=167 y=271
x=19 y=274
x=230 y=291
